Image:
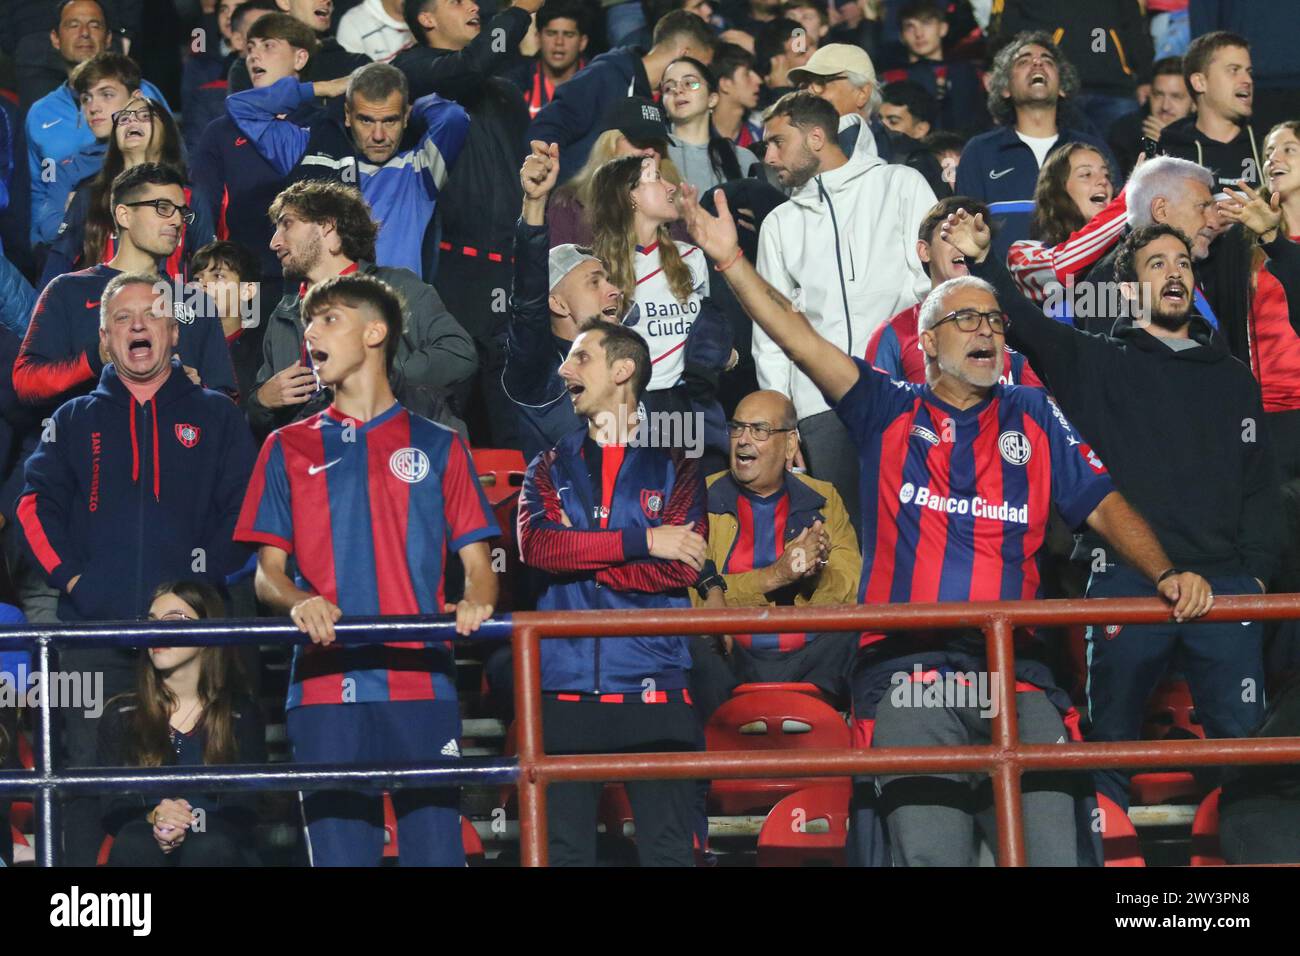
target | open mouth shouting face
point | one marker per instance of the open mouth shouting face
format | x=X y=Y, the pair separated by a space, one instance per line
x=139 y=331
x=1088 y=182
x=315 y=13
x=134 y=126
x=1035 y=76
x=968 y=341
x=1164 y=267
x=271 y=59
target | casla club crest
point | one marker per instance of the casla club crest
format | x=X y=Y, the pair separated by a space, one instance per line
x=652 y=502
x=187 y=434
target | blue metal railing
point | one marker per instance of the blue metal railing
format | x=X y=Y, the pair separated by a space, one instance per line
x=43 y=783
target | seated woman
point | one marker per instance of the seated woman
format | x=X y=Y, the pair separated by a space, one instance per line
x=1077 y=219
x=189 y=710
x=703 y=157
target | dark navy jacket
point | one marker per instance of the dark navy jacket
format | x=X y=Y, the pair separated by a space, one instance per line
x=533 y=352
x=589 y=568
x=129 y=495
x=240 y=185
x=999 y=168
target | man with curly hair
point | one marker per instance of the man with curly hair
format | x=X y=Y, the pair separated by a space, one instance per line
x=1029 y=84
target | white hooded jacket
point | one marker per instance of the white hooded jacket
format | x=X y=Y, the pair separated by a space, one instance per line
x=843 y=251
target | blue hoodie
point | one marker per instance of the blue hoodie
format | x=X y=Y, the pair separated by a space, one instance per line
x=57 y=131
x=129 y=495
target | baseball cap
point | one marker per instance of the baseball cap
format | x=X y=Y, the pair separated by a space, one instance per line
x=834 y=59
x=641 y=120
x=565 y=258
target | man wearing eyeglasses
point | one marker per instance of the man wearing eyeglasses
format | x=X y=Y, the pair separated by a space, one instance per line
x=957 y=476
x=61 y=357
x=776 y=538
x=1182 y=424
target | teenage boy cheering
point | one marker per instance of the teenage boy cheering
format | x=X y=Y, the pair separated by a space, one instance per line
x=397 y=491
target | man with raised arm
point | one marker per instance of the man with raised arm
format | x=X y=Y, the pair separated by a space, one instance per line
x=1181 y=424
x=957 y=476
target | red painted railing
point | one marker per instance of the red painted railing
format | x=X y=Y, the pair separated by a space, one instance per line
x=1004 y=760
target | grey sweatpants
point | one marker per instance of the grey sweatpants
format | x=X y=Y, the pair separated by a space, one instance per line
x=939 y=819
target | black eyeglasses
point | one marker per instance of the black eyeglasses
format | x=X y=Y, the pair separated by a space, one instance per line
x=970 y=320
x=761 y=431
x=166 y=208
x=144 y=115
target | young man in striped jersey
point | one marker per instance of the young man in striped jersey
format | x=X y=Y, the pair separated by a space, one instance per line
x=957 y=476
x=369 y=498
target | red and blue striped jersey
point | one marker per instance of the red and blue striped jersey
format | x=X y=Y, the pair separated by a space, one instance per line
x=369 y=511
x=955 y=502
x=760 y=541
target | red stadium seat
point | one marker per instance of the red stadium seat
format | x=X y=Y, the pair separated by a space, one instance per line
x=811 y=689
x=1171 y=706
x=807 y=828
x=1119 y=839
x=770 y=720
x=1205 y=833
x=500 y=472
x=470 y=838
x=21 y=812
x=1165 y=786
x=1170 y=714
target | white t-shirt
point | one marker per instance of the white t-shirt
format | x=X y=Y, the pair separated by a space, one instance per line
x=1039 y=144
x=659 y=318
x=370 y=30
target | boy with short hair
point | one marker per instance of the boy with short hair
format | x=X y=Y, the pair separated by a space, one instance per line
x=955 y=84
x=396 y=492
x=230 y=279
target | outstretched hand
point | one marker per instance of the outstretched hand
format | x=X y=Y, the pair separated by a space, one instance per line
x=969 y=235
x=1245 y=205
x=716 y=235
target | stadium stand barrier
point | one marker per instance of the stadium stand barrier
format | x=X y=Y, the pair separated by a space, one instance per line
x=1005 y=760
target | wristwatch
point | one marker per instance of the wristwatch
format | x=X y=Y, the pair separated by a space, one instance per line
x=708 y=580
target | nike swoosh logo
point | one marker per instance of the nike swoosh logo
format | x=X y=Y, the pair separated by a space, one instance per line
x=92 y=305
x=1001 y=173
x=52 y=123
x=317 y=469
x=241 y=141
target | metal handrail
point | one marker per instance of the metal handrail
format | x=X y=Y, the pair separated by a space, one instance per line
x=1005 y=759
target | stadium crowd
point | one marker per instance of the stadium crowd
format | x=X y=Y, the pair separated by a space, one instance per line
x=777 y=302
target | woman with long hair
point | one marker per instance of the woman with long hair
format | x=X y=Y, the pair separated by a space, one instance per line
x=1077 y=219
x=665 y=282
x=189 y=709
x=689 y=93
x=143 y=132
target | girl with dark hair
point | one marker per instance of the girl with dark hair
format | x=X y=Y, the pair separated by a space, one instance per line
x=143 y=132
x=189 y=709
x=1077 y=219
x=705 y=158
